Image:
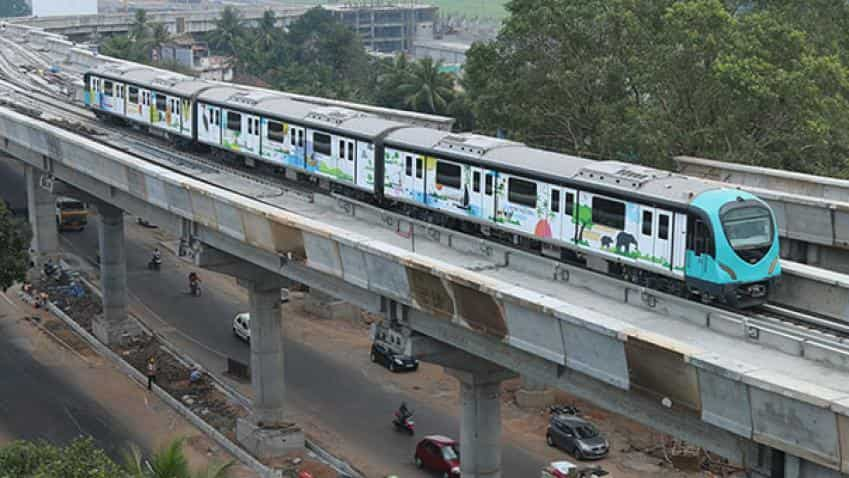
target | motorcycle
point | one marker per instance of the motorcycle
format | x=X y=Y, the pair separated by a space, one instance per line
x=194 y=288
x=405 y=425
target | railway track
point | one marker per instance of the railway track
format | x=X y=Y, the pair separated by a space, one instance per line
x=265 y=187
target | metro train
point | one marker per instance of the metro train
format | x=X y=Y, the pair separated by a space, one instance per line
x=658 y=229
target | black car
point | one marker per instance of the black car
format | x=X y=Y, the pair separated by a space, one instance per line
x=381 y=354
x=576 y=436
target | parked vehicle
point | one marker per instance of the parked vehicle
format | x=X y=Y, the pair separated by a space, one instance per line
x=406 y=425
x=439 y=453
x=565 y=469
x=576 y=436
x=242 y=326
x=395 y=362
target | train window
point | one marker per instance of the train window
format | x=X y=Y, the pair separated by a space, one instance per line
x=698 y=237
x=647 y=222
x=276 y=132
x=350 y=151
x=292 y=140
x=522 y=192
x=555 y=200
x=488 y=185
x=419 y=168
x=569 y=206
x=409 y=166
x=476 y=181
x=234 y=121
x=321 y=143
x=160 y=102
x=608 y=213
x=663 y=227
x=341 y=149
x=301 y=138
x=134 y=95
x=107 y=88
x=448 y=174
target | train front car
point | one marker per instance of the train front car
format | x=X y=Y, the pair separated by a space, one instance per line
x=733 y=249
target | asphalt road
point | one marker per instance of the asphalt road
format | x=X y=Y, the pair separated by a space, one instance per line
x=357 y=408
x=38 y=404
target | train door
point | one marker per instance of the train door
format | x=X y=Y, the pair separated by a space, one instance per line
x=346 y=162
x=562 y=207
x=252 y=130
x=476 y=199
x=186 y=117
x=172 y=113
x=488 y=206
x=679 y=243
x=94 y=91
x=120 y=98
x=663 y=237
x=295 y=157
x=412 y=177
x=145 y=106
x=647 y=229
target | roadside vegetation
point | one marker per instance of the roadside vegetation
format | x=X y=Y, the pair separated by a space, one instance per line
x=750 y=81
x=83 y=459
x=15 y=237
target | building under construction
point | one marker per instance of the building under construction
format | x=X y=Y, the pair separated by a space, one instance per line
x=387 y=27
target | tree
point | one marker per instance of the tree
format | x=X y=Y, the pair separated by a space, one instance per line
x=122 y=46
x=79 y=459
x=426 y=89
x=169 y=462
x=159 y=34
x=14 y=248
x=760 y=82
x=228 y=31
x=14 y=8
x=139 y=28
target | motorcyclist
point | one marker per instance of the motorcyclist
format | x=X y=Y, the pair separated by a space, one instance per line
x=157 y=256
x=194 y=280
x=404 y=413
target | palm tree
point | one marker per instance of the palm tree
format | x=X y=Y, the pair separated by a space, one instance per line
x=138 y=29
x=159 y=35
x=393 y=74
x=169 y=462
x=426 y=89
x=228 y=31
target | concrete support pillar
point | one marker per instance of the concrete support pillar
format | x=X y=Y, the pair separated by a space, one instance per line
x=813 y=255
x=792 y=466
x=114 y=325
x=42 y=218
x=480 y=425
x=265 y=433
x=266 y=354
x=534 y=394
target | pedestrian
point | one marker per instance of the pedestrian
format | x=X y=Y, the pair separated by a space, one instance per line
x=151 y=372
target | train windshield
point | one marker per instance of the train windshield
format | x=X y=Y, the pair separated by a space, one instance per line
x=748 y=227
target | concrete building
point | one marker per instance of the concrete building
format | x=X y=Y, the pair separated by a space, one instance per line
x=387 y=28
x=194 y=55
x=49 y=8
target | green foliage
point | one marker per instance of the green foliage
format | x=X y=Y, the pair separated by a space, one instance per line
x=759 y=82
x=14 y=8
x=14 y=248
x=79 y=459
x=169 y=462
x=137 y=44
x=228 y=31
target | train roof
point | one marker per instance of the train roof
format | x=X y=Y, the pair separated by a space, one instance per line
x=162 y=80
x=275 y=105
x=625 y=178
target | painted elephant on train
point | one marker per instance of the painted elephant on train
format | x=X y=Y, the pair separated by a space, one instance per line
x=624 y=242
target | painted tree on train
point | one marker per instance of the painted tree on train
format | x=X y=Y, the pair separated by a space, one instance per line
x=584 y=219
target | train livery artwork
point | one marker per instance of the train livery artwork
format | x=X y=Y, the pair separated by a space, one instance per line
x=657 y=229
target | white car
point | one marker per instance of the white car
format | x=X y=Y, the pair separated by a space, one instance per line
x=242 y=326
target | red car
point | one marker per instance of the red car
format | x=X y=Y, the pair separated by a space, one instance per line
x=439 y=453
